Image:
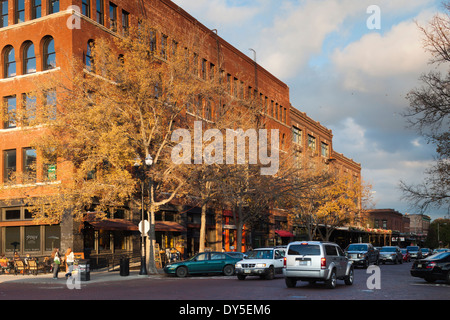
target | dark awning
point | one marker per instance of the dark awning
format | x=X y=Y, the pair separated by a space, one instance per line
x=284 y=233
x=114 y=225
x=169 y=226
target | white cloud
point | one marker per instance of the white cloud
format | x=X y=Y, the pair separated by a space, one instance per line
x=366 y=63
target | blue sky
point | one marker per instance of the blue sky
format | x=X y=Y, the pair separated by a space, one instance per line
x=350 y=78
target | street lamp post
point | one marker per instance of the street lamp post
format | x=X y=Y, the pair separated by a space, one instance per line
x=140 y=172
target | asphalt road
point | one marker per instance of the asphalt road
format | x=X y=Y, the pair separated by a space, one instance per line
x=394 y=283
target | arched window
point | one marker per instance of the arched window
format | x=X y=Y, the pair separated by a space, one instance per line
x=49 y=54
x=10 y=62
x=29 y=58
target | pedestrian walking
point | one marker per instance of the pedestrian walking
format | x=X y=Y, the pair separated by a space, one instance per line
x=69 y=261
x=56 y=258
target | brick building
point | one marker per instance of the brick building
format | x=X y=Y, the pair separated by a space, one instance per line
x=38 y=38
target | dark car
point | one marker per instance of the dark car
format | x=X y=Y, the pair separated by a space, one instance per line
x=435 y=267
x=391 y=254
x=414 y=252
x=362 y=254
x=204 y=262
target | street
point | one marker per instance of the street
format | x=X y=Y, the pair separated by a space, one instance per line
x=394 y=283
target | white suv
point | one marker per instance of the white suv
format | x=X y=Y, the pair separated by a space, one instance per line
x=263 y=262
x=316 y=261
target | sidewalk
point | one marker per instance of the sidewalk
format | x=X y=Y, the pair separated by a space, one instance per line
x=96 y=276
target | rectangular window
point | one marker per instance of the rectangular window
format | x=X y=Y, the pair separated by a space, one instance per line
x=9 y=169
x=4 y=13
x=112 y=16
x=10 y=111
x=20 y=11
x=52 y=237
x=324 y=149
x=12 y=239
x=50 y=98
x=12 y=214
x=86 y=8
x=36 y=9
x=152 y=41
x=53 y=6
x=50 y=167
x=164 y=46
x=99 y=12
x=297 y=135
x=29 y=103
x=311 y=142
x=29 y=164
x=32 y=240
x=125 y=22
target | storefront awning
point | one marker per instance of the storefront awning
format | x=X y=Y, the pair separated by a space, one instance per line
x=169 y=226
x=114 y=225
x=284 y=233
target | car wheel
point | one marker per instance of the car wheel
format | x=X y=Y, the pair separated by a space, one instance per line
x=331 y=283
x=270 y=275
x=349 y=279
x=447 y=278
x=181 y=272
x=228 y=270
x=290 y=282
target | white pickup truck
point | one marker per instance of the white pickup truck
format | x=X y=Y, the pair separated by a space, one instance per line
x=263 y=262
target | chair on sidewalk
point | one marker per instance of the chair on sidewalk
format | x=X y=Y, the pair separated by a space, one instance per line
x=34 y=267
x=19 y=266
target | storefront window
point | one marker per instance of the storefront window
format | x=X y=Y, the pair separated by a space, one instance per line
x=104 y=243
x=32 y=238
x=12 y=239
x=52 y=237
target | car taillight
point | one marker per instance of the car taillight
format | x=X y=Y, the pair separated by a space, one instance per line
x=323 y=263
x=284 y=262
x=431 y=265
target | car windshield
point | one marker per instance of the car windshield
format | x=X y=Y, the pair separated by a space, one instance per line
x=412 y=248
x=387 y=249
x=260 y=254
x=425 y=250
x=357 y=247
x=404 y=251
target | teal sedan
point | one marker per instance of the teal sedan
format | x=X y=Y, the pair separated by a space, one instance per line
x=204 y=262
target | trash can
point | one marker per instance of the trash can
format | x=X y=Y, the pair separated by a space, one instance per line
x=124 y=266
x=84 y=270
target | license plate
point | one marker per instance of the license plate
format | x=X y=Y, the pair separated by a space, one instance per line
x=419 y=266
x=302 y=263
x=247 y=271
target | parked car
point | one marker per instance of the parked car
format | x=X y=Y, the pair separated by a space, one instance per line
x=362 y=254
x=316 y=261
x=439 y=250
x=415 y=252
x=204 y=262
x=235 y=254
x=262 y=262
x=425 y=252
x=391 y=254
x=406 y=255
x=435 y=267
